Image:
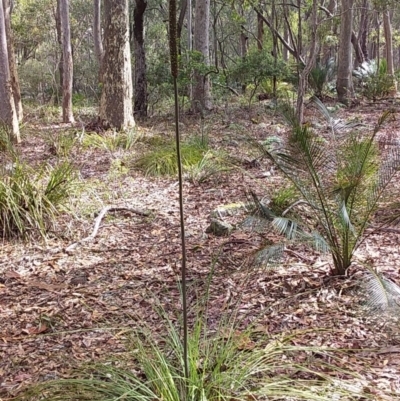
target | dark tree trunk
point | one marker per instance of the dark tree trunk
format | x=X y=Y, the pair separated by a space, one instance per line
x=140 y=59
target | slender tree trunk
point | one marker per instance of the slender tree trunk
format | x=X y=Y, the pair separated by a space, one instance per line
x=181 y=19
x=140 y=59
x=98 y=43
x=363 y=29
x=201 y=88
x=260 y=33
x=387 y=27
x=285 y=52
x=305 y=72
x=344 y=81
x=8 y=114
x=116 y=98
x=11 y=59
x=61 y=61
x=67 y=62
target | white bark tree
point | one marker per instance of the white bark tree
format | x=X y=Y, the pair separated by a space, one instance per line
x=8 y=114
x=116 y=98
x=11 y=59
x=67 y=79
x=387 y=28
x=202 y=99
x=98 y=43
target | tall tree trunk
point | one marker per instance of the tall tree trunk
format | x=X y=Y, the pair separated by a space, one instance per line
x=201 y=89
x=61 y=61
x=260 y=32
x=305 y=71
x=116 y=97
x=344 y=82
x=11 y=59
x=68 y=116
x=387 y=27
x=181 y=19
x=98 y=43
x=363 y=29
x=140 y=59
x=8 y=114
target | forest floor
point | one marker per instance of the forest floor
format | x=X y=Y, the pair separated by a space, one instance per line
x=62 y=308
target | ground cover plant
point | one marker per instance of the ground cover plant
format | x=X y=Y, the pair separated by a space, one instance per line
x=343 y=180
x=81 y=301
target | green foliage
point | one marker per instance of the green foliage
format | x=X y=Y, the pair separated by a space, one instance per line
x=61 y=143
x=112 y=140
x=163 y=159
x=256 y=67
x=30 y=199
x=320 y=75
x=341 y=180
x=282 y=198
x=211 y=165
x=225 y=364
x=374 y=80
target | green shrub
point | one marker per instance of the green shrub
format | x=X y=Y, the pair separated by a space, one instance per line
x=320 y=75
x=374 y=80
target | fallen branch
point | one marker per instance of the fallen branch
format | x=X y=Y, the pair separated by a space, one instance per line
x=98 y=220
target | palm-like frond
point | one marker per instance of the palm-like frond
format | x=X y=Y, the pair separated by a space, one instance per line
x=342 y=182
x=380 y=294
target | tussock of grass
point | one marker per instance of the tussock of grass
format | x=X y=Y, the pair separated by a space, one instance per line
x=112 y=140
x=163 y=159
x=225 y=364
x=30 y=200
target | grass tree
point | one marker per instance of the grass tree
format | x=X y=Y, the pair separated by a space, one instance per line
x=342 y=180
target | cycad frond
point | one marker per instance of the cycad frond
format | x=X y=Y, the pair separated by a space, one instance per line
x=287 y=227
x=269 y=256
x=381 y=294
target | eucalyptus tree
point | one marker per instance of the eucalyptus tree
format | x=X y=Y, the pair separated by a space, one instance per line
x=97 y=39
x=140 y=107
x=12 y=61
x=116 y=97
x=67 y=77
x=201 y=89
x=8 y=114
x=344 y=85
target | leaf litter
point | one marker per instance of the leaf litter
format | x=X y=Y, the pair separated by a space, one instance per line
x=59 y=310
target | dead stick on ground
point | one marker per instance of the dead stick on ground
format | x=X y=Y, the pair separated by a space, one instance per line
x=98 y=220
